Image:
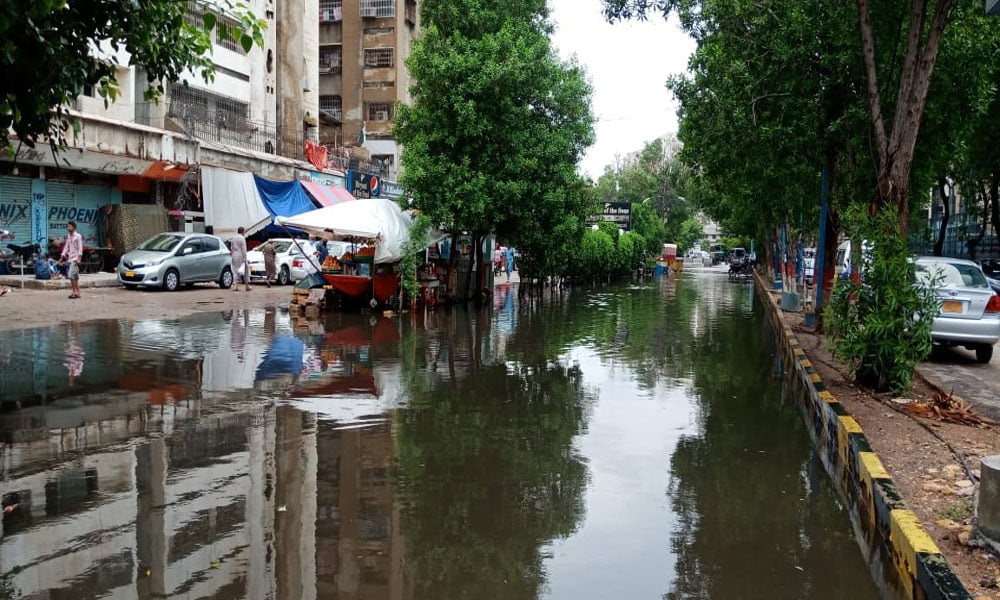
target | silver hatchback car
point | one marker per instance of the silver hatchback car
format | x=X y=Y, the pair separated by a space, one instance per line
x=970 y=310
x=172 y=259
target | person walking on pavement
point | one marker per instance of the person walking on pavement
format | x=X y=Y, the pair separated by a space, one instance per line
x=270 y=266
x=238 y=256
x=509 y=260
x=72 y=254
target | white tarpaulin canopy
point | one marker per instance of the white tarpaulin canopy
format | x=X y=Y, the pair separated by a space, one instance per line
x=374 y=218
x=232 y=201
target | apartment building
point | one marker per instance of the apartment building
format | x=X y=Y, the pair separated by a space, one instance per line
x=363 y=46
x=255 y=116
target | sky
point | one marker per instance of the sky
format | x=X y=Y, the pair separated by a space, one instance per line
x=628 y=64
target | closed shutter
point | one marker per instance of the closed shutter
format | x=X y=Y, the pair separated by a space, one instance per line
x=89 y=200
x=61 y=198
x=15 y=208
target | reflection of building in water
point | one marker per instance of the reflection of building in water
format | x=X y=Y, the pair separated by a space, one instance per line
x=359 y=551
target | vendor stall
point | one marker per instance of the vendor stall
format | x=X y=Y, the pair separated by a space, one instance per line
x=378 y=227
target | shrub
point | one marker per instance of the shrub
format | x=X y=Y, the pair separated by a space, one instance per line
x=877 y=325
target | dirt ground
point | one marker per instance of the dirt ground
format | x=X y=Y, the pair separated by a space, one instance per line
x=935 y=465
x=22 y=308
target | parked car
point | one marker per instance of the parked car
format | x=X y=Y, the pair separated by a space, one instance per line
x=172 y=259
x=809 y=268
x=970 y=309
x=284 y=254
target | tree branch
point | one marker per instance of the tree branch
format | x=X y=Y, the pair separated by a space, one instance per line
x=871 y=75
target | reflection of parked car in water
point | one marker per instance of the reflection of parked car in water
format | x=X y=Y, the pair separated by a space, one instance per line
x=172 y=259
x=970 y=311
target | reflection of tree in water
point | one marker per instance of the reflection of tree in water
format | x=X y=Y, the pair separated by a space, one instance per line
x=486 y=473
x=734 y=486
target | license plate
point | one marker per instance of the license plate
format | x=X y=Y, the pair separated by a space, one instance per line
x=129 y=273
x=951 y=306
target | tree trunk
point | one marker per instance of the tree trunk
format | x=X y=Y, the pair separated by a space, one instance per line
x=473 y=257
x=984 y=197
x=484 y=263
x=452 y=260
x=895 y=150
x=945 y=217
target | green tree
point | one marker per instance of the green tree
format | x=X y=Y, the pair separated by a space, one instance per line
x=496 y=127
x=48 y=54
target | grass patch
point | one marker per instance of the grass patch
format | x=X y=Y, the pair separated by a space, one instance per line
x=958 y=511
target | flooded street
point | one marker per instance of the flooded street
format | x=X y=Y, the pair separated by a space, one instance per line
x=630 y=442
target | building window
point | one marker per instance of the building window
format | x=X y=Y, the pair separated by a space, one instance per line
x=378 y=111
x=378 y=8
x=330 y=59
x=386 y=161
x=199 y=109
x=227 y=35
x=331 y=11
x=378 y=57
x=331 y=105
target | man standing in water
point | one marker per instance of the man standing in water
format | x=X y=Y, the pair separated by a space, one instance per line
x=72 y=253
x=238 y=255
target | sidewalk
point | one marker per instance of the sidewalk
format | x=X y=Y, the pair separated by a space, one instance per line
x=28 y=281
x=955 y=371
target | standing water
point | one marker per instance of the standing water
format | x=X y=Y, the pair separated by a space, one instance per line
x=627 y=443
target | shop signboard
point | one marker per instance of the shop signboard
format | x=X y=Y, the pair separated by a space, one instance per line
x=364 y=185
x=619 y=213
x=391 y=189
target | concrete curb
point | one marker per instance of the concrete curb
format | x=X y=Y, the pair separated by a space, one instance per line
x=102 y=280
x=891 y=536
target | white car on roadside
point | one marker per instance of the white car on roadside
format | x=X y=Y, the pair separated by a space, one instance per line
x=285 y=253
x=969 y=312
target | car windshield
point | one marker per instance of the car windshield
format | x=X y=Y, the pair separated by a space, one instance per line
x=164 y=242
x=282 y=246
x=952 y=274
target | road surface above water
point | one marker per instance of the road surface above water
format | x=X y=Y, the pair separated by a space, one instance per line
x=631 y=442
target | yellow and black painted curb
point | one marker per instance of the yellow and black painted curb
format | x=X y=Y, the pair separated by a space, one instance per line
x=892 y=538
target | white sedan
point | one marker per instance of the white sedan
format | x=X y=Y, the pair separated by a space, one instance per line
x=285 y=253
x=970 y=311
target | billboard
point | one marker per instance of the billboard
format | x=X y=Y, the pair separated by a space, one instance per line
x=619 y=213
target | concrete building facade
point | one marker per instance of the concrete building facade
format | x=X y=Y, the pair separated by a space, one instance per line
x=363 y=47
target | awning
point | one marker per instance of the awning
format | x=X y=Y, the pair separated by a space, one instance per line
x=374 y=218
x=231 y=201
x=283 y=198
x=327 y=195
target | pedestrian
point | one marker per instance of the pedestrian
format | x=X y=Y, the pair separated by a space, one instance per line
x=238 y=256
x=71 y=254
x=497 y=260
x=321 y=250
x=270 y=266
x=509 y=260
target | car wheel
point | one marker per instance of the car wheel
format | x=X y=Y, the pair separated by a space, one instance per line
x=226 y=279
x=284 y=276
x=171 y=280
x=984 y=353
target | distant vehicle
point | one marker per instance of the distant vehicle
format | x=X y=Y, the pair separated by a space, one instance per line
x=172 y=259
x=970 y=309
x=808 y=268
x=737 y=256
x=842 y=266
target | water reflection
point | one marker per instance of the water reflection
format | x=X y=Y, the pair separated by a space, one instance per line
x=620 y=443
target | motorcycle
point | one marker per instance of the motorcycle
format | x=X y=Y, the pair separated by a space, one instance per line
x=741 y=270
x=23 y=257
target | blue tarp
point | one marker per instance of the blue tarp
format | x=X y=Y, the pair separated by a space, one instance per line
x=283 y=198
x=284 y=356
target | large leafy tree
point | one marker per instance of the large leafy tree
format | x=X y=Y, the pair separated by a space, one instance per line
x=496 y=127
x=50 y=50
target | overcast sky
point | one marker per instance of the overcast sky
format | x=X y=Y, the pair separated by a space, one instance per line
x=628 y=64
